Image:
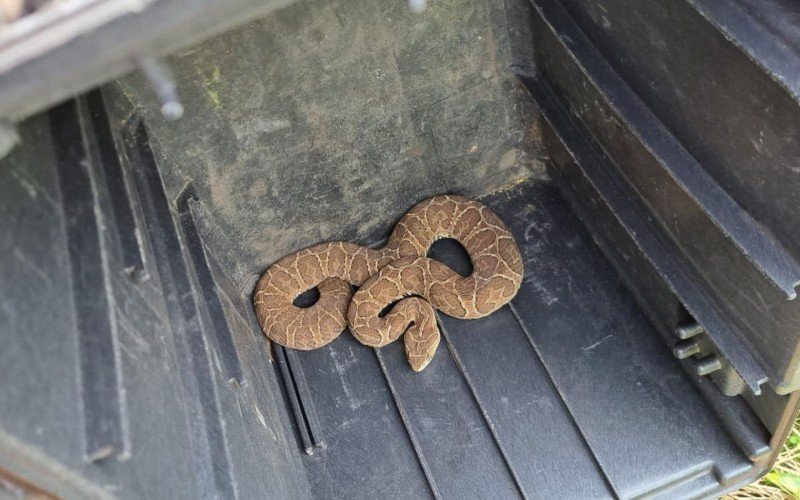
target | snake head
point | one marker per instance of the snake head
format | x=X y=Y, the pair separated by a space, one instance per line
x=418 y=362
x=422 y=336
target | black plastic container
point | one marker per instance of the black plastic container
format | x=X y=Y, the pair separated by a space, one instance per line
x=644 y=155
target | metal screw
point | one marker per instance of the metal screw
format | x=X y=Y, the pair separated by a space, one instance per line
x=160 y=77
x=689 y=331
x=683 y=350
x=417 y=6
x=707 y=365
x=8 y=137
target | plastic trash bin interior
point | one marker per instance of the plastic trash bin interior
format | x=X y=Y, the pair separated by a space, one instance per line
x=643 y=154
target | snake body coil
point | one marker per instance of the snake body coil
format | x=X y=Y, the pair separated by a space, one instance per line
x=398 y=274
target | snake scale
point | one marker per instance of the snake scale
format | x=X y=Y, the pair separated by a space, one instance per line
x=398 y=275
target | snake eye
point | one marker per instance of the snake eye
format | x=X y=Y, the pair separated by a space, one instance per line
x=307 y=298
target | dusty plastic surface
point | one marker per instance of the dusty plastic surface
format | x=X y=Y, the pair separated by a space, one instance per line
x=131 y=244
x=709 y=140
x=569 y=377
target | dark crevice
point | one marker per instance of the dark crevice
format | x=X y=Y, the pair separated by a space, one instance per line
x=290 y=394
x=452 y=253
x=223 y=335
x=132 y=255
x=101 y=399
x=307 y=298
x=207 y=437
